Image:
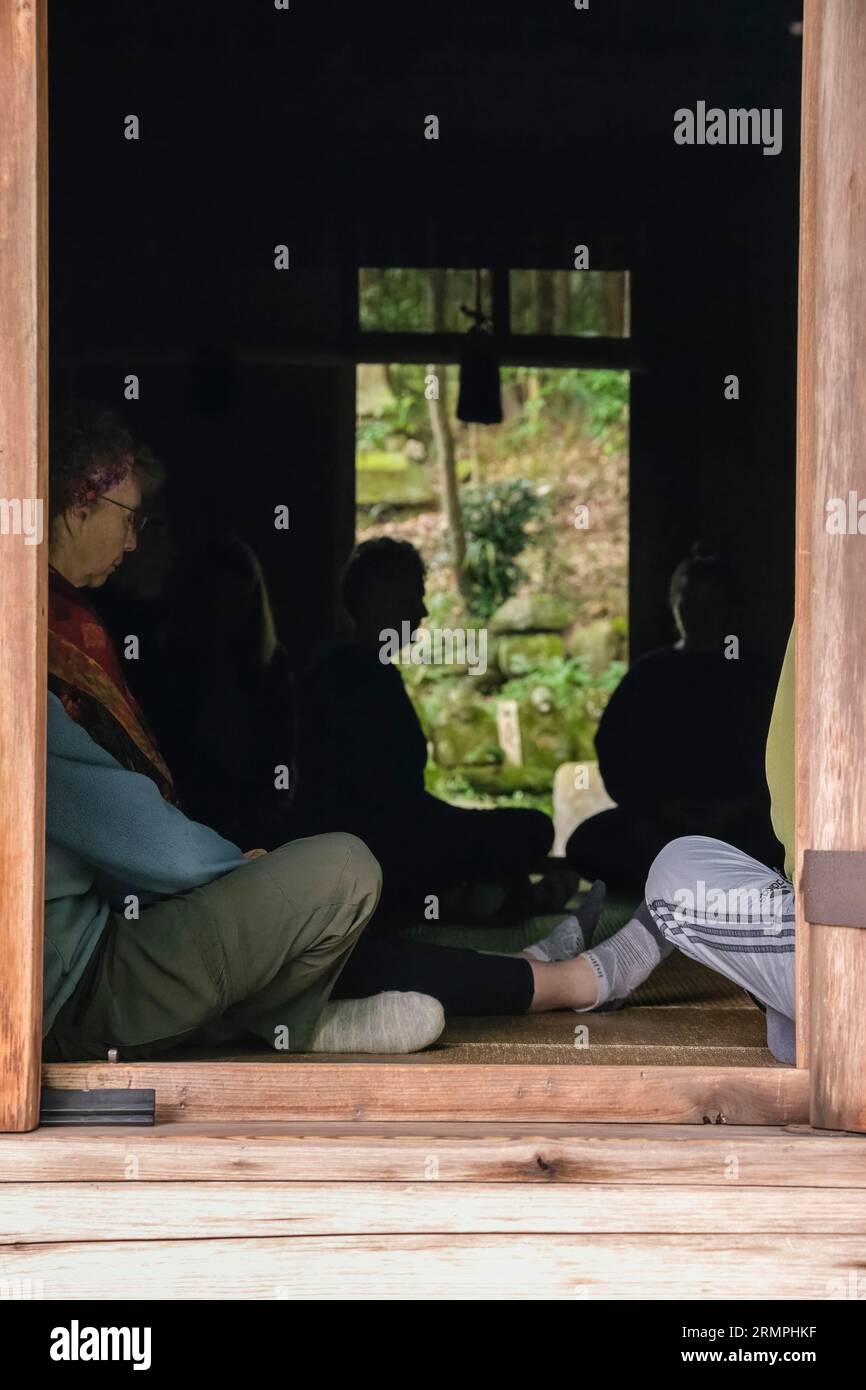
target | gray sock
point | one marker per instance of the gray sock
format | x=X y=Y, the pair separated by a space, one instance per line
x=570 y=936
x=628 y=958
x=394 y=1021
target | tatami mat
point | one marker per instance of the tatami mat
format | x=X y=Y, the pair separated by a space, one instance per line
x=684 y=1015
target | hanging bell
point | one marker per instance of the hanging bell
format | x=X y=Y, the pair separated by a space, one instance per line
x=480 y=399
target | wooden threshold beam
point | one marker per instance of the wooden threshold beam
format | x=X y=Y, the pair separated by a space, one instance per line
x=247 y=1091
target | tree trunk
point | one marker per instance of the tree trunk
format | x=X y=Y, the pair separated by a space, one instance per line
x=444 y=440
x=561 y=300
x=544 y=301
x=447 y=464
x=613 y=291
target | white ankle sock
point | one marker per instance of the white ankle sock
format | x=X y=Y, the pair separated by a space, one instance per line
x=570 y=935
x=563 y=943
x=627 y=959
x=394 y=1021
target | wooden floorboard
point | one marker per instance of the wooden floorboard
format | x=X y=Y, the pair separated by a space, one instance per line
x=447 y=1267
x=432 y=1209
x=56 y=1213
x=414 y=1151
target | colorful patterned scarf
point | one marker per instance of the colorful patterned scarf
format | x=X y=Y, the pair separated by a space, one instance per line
x=85 y=674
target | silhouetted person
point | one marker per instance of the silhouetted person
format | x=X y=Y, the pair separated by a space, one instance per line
x=224 y=713
x=361 y=753
x=680 y=744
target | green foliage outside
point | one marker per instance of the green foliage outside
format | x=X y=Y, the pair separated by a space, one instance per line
x=452 y=786
x=568 y=679
x=594 y=403
x=587 y=303
x=574 y=692
x=384 y=476
x=406 y=414
x=495 y=518
x=400 y=300
x=563 y=441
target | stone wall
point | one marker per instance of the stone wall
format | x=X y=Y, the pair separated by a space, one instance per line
x=537 y=705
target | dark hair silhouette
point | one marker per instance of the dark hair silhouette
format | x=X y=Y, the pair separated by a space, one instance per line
x=373 y=564
x=221 y=610
x=704 y=566
x=703 y=597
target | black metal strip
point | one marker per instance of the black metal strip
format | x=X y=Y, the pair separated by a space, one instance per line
x=99 y=1107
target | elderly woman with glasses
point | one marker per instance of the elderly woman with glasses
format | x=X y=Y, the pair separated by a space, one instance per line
x=96 y=500
x=235 y=948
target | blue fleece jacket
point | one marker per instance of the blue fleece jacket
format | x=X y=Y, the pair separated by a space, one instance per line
x=109 y=833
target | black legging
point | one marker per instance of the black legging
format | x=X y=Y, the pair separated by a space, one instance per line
x=464 y=982
x=427 y=847
x=619 y=845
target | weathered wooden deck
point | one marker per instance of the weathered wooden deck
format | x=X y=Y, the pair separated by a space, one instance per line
x=433 y=1210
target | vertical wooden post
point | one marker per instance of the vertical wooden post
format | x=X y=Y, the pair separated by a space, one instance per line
x=23 y=567
x=805 y=508
x=831 y=584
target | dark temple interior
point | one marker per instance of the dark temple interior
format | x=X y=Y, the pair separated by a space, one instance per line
x=261 y=127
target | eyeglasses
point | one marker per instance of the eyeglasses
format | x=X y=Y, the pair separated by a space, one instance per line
x=138 y=521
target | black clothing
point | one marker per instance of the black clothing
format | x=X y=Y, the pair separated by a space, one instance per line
x=360 y=759
x=681 y=750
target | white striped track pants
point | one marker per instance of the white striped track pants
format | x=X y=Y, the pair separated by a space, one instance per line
x=723 y=908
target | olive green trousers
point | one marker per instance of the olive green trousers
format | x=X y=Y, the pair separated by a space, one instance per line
x=254 y=953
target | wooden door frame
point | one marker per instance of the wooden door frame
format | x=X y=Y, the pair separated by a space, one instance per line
x=23 y=567
x=831 y=568
x=415 y=1088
